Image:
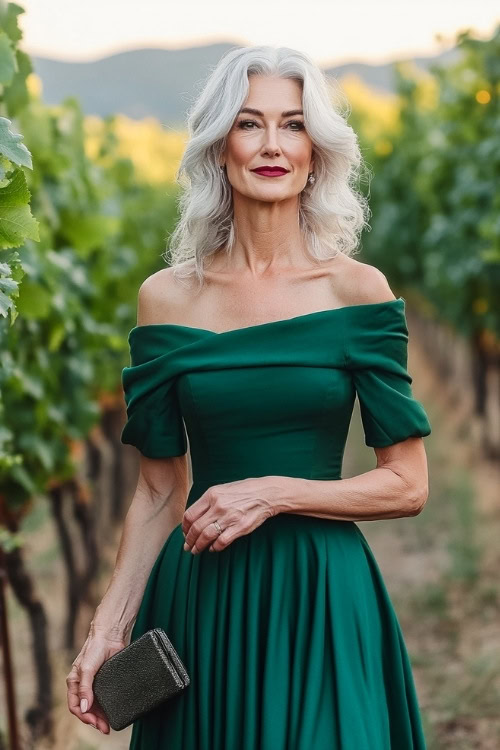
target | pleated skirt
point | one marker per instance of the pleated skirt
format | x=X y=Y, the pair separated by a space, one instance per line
x=290 y=639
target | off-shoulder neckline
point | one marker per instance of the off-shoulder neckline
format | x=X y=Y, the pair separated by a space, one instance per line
x=397 y=301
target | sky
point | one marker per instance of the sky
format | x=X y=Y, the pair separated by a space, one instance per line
x=330 y=31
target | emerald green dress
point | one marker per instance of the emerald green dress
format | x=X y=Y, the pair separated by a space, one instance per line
x=288 y=634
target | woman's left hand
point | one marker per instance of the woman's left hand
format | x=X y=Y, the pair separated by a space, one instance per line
x=239 y=507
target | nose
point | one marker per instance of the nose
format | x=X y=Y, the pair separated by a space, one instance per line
x=271 y=141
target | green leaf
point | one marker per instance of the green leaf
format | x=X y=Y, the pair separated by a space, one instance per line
x=16 y=221
x=9 y=20
x=8 y=62
x=8 y=285
x=56 y=337
x=11 y=147
x=6 y=304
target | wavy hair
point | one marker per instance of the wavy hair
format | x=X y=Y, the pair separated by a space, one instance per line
x=332 y=213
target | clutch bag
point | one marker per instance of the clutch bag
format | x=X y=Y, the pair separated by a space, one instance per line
x=138 y=678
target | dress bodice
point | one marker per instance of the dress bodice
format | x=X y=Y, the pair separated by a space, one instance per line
x=277 y=397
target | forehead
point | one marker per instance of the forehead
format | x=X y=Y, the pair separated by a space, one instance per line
x=273 y=95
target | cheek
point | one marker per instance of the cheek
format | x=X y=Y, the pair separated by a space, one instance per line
x=241 y=151
x=301 y=153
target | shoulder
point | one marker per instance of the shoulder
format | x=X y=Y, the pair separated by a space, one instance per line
x=363 y=284
x=160 y=295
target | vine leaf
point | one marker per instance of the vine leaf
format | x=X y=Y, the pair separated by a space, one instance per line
x=16 y=220
x=11 y=146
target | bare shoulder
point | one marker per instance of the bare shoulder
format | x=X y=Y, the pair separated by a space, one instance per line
x=364 y=284
x=160 y=297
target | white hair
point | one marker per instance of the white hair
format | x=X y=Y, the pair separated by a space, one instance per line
x=332 y=213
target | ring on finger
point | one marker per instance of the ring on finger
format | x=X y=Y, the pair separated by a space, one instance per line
x=217 y=526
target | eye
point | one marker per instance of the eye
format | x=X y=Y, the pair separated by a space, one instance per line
x=242 y=124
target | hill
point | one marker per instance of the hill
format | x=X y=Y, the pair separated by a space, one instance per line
x=161 y=83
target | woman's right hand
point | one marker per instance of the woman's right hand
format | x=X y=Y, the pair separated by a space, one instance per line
x=98 y=647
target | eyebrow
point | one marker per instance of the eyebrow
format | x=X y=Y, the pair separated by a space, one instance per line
x=257 y=112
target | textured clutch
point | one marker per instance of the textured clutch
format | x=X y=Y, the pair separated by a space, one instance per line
x=138 y=678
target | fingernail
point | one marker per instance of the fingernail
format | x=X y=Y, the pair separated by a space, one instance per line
x=186 y=546
x=83 y=705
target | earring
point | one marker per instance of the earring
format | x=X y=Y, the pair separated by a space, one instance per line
x=311 y=179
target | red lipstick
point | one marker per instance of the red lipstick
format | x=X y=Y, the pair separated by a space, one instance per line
x=270 y=171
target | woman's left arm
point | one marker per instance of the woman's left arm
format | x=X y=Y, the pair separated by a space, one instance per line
x=397 y=487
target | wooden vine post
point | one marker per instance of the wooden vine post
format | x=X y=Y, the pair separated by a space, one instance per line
x=7 y=660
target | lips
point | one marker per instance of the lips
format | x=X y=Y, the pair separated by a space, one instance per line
x=270 y=171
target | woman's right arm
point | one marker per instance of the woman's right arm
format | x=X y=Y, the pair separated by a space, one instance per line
x=156 y=508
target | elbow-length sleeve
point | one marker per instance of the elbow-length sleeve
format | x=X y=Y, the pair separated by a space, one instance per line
x=377 y=356
x=154 y=420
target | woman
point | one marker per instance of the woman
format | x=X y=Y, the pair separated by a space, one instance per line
x=261 y=577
